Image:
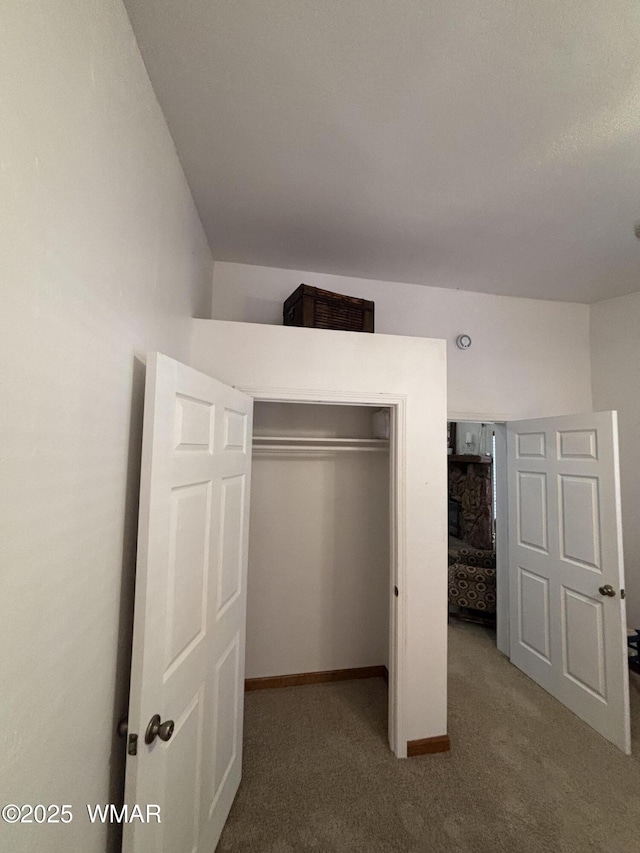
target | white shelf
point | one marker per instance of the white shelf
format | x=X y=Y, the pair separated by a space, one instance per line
x=306 y=444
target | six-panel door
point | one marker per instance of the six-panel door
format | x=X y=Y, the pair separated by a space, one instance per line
x=190 y=610
x=565 y=547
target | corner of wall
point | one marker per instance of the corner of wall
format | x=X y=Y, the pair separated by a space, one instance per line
x=591 y=356
x=213 y=290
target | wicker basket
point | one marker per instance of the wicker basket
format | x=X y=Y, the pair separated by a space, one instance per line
x=322 y=309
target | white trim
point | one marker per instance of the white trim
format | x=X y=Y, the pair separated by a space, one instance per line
x=398 y=606
x=306 y=395
x=398 y=534
x=502 y=542
x=482 y=417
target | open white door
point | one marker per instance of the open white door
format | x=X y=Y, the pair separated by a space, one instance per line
x=190 y=609
x=567 y=610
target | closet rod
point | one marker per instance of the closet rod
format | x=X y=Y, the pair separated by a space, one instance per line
x=294 y=443
x=315 y=439
x=317 y=448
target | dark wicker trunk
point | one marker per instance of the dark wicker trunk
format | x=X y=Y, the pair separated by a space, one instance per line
x=321 y=309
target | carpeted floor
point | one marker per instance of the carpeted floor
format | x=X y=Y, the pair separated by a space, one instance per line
x=524 y=775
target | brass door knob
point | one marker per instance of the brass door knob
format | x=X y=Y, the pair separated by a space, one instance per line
x=156 y=728
x=607 y=589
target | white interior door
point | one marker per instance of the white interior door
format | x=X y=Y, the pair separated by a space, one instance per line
x=567 y=610
x=190 y=608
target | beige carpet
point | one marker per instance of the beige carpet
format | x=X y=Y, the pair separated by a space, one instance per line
x=523 y=775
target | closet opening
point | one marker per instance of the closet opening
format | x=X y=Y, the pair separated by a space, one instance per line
x=320 y=584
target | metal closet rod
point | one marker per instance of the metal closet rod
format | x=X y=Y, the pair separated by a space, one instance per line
x=318 y=448
x=307 y=444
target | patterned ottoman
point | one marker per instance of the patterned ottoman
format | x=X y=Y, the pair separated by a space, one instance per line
x=472 y=580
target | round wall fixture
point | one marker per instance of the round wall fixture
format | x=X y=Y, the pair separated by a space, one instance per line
x=463 y=341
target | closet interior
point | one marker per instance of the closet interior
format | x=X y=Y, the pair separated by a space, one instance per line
x=319 y=546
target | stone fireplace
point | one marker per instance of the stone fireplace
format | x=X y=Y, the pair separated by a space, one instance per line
x=470 y=487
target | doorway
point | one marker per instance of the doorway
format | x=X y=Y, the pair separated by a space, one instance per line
x=472 y=517
x=557 y=537
x=320 y=580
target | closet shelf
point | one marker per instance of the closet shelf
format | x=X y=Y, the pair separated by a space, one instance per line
x=305 y=444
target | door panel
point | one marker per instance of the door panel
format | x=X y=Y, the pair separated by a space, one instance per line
x=181 y=816
x=532 y=510
x=226 y=686
x=231 y=527
x=535 y=631
x=190 y=609
x=580 y=521
x=565 y=543
x=577 y=444
x=531 y=445
x=187 y=577
x=583 y=641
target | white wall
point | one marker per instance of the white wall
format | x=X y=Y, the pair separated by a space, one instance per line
x=615 y=365
x=102 y=258
x=318 y=577
x=263 y=356
x=309 y=421
x=529 y=358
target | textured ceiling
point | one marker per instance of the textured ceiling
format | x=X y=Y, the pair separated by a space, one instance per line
x=484 y=145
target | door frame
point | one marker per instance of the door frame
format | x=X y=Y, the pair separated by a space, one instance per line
x=503 y=623
x=397 y=530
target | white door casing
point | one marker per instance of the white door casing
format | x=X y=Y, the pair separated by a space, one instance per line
x=385 y=370
x=190 y=607
x=565 y=543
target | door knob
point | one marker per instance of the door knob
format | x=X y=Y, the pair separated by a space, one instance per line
x=159 y=729
x=607 y=589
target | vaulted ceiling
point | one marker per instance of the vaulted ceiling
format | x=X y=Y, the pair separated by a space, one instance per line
x=484 y=145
